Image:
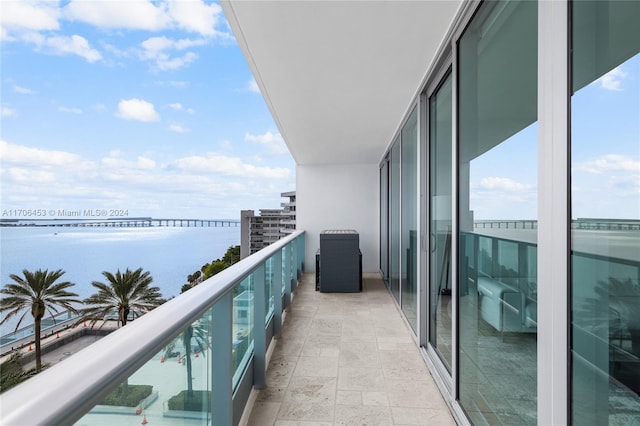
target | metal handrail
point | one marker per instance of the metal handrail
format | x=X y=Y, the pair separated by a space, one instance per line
x=65 y=392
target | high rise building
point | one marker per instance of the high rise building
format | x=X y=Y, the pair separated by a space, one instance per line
x=259 y=231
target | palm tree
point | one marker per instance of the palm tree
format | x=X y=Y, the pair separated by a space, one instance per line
x=12 y=372
x=127 y=293
x=38 y=292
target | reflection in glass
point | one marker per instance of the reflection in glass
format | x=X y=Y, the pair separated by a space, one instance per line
x=242 y=335
x=268 y=282
x=440 y=149
x=497 y=196
x=394 y=221
x=409 y=252
x=384 y=221
x=174 y=384
x=605 y=203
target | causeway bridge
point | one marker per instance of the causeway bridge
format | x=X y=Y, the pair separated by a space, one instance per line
x=138 y=222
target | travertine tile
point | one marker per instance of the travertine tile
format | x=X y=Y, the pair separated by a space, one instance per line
x=361 y=379
x=347 y=359
x=362 y=415
x=311 y=389
x=310 y=411
x=375 y=398
x=263 y=413
x=421 y=416
x=349 y=398
x=316 y=366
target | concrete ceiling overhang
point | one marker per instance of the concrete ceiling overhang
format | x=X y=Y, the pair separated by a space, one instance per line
x=339 y=76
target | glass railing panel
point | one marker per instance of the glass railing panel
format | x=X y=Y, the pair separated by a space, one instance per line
x=173 y=387
x=268 y=282
x=243 y=321
x=485 y=256
x=285 y=257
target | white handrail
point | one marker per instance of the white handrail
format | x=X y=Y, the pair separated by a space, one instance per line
x=63 y=393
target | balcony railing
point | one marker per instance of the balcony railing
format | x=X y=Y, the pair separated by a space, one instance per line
x=201 y=353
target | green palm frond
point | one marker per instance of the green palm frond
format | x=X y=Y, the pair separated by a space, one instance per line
x=36 y=292
x=123 y=292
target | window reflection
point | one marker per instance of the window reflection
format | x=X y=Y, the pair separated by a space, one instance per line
x=605 y=203
x=497 y=212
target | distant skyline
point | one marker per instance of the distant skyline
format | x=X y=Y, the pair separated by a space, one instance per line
x=147 y=106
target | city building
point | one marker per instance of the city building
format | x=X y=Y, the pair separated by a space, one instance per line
x=259 y=231
x=487 y=153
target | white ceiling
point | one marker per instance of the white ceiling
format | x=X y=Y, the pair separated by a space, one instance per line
x=338 y=76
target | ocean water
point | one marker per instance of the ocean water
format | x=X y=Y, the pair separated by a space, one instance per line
x=170 y=254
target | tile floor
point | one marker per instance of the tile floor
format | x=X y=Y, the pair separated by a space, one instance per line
x=347 y=359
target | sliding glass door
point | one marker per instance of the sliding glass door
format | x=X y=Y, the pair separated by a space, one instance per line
x=497 y=206
x=440 y=221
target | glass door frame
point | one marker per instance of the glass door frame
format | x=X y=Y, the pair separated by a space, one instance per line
x=446 y=380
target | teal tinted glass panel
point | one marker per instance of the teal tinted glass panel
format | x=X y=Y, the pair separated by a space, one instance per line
x=409 y=253
x=605 y=213
x=440 y=220
x=497 y=197
x=394 y=221
x=268 y=282
x=384 y=221
x=242 y=322
x=175 y=383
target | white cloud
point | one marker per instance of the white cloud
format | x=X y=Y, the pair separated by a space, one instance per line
x=156 y=49
x=178 y=128
x=8 y=112
x=30 y=176
x=23 y=90
x=70 y=110
x=64 y=45
x=505 y=184
x=273 y=141
x=608 y=163
x=133 y=15
x=137 y=109
x=33 y=178
x=228 y=166
x=75 y=45
x=196 y=16
x=141 y=163
x=192 y=16
x=252 y=86
x=179 y=107
x=29 y=16
x=613 y=79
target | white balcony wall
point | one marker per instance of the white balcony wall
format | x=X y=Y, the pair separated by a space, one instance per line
x=339 y=196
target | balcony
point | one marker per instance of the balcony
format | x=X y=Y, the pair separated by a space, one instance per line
x=337 y=357
x=347 y=358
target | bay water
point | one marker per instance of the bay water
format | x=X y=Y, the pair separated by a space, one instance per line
x=170 y=254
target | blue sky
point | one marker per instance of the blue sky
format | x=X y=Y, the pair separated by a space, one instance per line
x=147 y=106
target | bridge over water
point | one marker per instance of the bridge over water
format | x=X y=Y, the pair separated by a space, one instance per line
x=139 y=222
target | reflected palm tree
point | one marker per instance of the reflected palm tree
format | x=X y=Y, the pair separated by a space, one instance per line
x=621 y=299
x=194 y=337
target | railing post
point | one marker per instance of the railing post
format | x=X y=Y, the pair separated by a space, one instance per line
x=221 y=361
x=276 y=291
x=259 y=339
x=286 y=273
x=300 y=244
